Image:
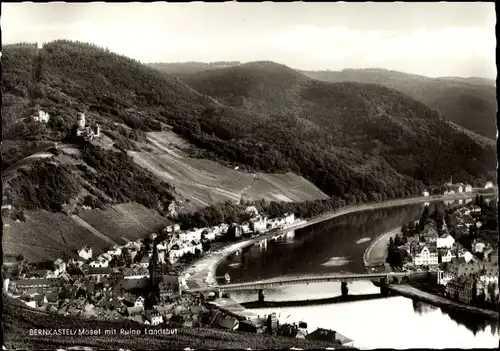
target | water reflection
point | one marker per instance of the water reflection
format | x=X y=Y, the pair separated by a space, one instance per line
x=473 y=323
x=338 y=246
x=333 y=246
x=392 y=322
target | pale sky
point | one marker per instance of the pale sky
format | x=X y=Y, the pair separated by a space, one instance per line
x=432 y=39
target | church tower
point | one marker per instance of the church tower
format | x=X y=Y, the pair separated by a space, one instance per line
x=155 y=267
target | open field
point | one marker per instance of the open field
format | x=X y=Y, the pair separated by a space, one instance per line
x=47 y=235
x=125 y=221
x=205 y=182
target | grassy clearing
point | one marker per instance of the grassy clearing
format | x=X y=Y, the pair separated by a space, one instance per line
x=47 y=235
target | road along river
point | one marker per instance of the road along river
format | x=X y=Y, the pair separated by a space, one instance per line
x=337 y=246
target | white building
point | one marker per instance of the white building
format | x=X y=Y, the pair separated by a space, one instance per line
x=258 y=224
x=6 y=283
x=209 y=234
x=154 y=317
x=42 y=116
x=59 y=266
x=274 y=223
x=224 y=228
x=445 y=241
x=447 y=256
x=488 y=185
x=161 y=256
x=245 y=227
x=190 y=235
x=289 y=218
x=478 y=247
x=144 y=262
x=139 y=303
x=105 y=257
x=31 y=303
x=425 y=193
x=161 y=246
x=99 y=264
x=85 y=253
x=468 y=188
x=115 y=251
x=466 y=255
x=476 y=209
x=426 y=256
x=252 y=210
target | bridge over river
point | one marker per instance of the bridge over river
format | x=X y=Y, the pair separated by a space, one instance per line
x=384 y=278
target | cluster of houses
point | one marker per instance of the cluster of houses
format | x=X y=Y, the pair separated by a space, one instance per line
x=457 y=188
x=429 y=249
x=99 y=286
x=466 y=281
x=450 y=188
x=463 y=275
x=466 y=276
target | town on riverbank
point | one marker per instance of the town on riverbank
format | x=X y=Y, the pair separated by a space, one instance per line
x=457 y=244
x=143 y=281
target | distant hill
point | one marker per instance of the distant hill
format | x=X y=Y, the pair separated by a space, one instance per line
x=468 y=102
x=369 y=121
x=187 y=68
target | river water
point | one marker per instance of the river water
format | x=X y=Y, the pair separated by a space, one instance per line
x=338 y=246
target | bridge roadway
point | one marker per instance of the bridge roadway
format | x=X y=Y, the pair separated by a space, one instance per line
x=394 y=278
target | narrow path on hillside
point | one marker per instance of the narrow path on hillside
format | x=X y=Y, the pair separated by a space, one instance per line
x=94 y=231
x=245 y=189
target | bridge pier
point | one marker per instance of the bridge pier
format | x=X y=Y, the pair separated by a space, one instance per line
x=261 y=295
x=344 y=289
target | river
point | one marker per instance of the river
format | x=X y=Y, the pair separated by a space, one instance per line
x=338 y=245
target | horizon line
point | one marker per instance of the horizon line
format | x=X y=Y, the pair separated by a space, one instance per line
x=41 y=44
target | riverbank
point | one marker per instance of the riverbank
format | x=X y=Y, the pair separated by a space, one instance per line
x=299 y=303
x=439 y=301
x=206 y=266
x=376 y=253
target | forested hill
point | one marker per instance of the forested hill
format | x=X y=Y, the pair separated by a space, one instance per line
x=180 y=69
x=355 y=141
x=351 y=130
x=468 y=102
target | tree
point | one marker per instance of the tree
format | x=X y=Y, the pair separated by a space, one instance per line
x=206 y=246
x=146 y=241
x=425 y=215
